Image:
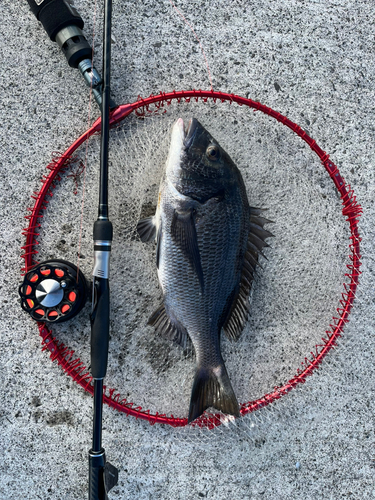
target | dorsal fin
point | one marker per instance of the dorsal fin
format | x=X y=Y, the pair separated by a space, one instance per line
x=239 y=311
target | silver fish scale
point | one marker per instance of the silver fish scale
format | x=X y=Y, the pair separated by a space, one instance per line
x=222 y=230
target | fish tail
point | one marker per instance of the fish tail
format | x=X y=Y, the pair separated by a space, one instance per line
x=212 y=388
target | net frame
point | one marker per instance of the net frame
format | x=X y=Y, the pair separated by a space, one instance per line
x=351 y=211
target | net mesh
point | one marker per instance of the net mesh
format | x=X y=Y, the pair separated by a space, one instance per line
x=294 y=295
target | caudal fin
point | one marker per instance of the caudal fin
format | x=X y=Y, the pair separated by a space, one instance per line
x=212 y=387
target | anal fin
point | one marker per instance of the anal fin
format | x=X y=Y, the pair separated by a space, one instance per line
x=167 y=328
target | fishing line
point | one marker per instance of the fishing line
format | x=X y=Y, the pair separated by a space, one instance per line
x=299 y=307
x=197 y=38
x=87 y=142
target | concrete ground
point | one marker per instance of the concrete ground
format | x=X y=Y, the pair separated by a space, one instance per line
x=311 y=61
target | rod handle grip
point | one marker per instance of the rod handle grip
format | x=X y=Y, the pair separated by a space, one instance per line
x=100 y=329
x=103 y=476
x=55 y=15
x=96 y=476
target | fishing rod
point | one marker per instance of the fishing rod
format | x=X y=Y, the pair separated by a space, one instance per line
x=56 y=290
x=102 y=476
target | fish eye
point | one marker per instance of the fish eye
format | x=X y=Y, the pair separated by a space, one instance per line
x=213 y=152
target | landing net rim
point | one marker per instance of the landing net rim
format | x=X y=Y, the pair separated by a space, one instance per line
x=156 y=104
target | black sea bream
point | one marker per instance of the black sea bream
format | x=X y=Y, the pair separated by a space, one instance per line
x=208 y=241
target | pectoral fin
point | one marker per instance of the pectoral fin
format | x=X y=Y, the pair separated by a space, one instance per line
x=185 y=236
x=147 y=229
x=158 y=247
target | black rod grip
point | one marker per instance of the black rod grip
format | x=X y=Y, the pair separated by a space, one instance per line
x=100 y=329
x=103 y=230
x=96 y=476
x=103 y=476
x=55 y=15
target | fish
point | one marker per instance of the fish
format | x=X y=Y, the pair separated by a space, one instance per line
x=208 y=240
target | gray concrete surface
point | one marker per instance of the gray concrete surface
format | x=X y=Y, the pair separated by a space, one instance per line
x=312 y=61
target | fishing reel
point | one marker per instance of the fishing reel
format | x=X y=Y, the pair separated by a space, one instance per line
x=53 y=291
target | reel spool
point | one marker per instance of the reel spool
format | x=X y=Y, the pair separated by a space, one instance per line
x=53 y=291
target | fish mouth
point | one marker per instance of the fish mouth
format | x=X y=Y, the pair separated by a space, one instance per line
x=190 y=132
